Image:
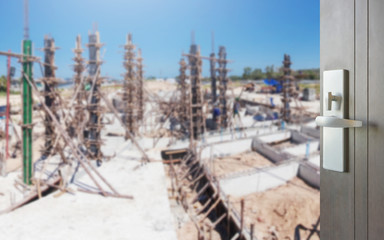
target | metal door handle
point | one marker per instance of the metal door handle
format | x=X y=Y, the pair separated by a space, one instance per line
x=335 y=122
x=332 y=98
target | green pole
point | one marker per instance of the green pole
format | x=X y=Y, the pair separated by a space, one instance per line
x=27 y=113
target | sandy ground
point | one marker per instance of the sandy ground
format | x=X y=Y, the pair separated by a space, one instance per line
x=284 y=145
x=88 y=216
x=239 y=162
x=156 y=86
x=281 y=209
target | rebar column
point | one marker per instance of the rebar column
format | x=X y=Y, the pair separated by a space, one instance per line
x=195 y=64
x=50 y=83
x=140 y=85
x=79 y=107
x=212 y=61
x=27 y=112
x=287 y=89
x=129 y=88
x=92 y=137
x=223 y=80
x=184 y=97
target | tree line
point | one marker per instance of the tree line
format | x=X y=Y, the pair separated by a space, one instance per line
x=270 y=72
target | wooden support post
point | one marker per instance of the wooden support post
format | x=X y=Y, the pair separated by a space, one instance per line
x=7 y=110
x=228 y=219
x=252 y=229
x=241 y=217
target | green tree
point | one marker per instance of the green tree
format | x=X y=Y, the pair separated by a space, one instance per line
x=270 y=71
x=235 y=77
x=3 y=83
x=247 y=73
x=257 y=73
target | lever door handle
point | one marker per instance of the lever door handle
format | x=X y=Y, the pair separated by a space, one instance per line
x=335 y=122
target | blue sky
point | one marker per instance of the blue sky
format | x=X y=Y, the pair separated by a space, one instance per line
x=256 y=33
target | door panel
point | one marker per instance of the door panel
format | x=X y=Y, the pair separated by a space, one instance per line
x=376 y=121
x=361 y=113
x=337 y=51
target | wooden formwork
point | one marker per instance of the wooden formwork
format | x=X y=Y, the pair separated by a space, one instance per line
x=193 y=183
x=92 y=136
x=130 y=96
x=51 y=96
x=196 y=106
x=223 y=81
x=76 y=127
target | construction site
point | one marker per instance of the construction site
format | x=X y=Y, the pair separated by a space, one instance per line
x=153 y=159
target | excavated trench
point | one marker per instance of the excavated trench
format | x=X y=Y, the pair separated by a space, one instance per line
x=215 y=206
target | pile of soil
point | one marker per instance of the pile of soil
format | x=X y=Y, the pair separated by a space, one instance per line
x=238 y=163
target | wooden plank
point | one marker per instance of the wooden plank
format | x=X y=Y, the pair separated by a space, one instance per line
x=337 y=52
x=376 y=121
x=361 y=113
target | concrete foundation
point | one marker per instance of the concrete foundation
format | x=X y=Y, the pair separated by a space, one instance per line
x=269 y=152
x=310 y=174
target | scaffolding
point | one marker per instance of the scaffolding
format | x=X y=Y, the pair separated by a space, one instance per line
x=213 y=69
x=50 y=95
x=288 y=89
x=184 y=97
x=195 y=64
x=140 y=85
x=79 y=93
x=92 y=137
x=223 y=81
x=130 y=88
